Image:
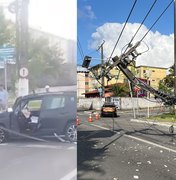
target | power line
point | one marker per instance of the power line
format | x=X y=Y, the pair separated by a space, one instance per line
x=80 y=48
x=157 y=20
x=123 y=28
x=141 y=24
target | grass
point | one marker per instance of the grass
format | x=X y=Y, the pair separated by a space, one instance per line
x=165 y=117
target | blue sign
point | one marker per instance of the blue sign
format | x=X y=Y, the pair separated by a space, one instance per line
x=7 y=53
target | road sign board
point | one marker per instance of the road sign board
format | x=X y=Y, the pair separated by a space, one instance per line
x=24 y=72
x=7 y=53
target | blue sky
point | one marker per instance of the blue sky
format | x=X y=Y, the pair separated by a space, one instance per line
x=95 y=13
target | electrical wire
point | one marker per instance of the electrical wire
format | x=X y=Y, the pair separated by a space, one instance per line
x=157 y=20
x=80 y=48
x=141 y=25
x=122 y=30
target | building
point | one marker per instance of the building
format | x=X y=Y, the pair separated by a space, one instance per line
x=67 y=46
x=82 y=81
x=148 y=74
x=152 y=74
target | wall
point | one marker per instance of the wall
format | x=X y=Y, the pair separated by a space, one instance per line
x=125 y=103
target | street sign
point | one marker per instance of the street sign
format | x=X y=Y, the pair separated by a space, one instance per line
x=7 y=53
x=24 y=72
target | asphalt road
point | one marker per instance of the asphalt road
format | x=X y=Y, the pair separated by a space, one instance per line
x=26 y=159
x=125 y=151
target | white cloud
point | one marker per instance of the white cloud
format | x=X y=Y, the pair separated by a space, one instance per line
x=87 y=12
x=90 y=13
x=161 y=47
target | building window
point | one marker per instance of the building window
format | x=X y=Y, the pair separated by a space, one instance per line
x=144 y=71
x=86 y=83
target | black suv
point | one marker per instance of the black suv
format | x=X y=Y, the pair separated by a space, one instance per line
x=41 y=115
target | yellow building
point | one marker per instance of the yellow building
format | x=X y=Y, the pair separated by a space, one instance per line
x=152 y=74
x=115 y=73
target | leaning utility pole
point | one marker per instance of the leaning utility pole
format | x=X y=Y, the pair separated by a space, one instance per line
x=102 y=69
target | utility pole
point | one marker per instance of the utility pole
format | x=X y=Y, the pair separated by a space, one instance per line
x=22 y=46
x=102 y=69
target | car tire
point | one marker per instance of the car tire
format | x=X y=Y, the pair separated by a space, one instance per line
x=71 y=132
x=115 y=115
x=2 y=135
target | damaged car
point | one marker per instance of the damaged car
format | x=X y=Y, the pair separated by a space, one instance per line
x=39 y=115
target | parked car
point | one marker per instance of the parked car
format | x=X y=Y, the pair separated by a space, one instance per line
x=108 y=109
x=41 y=115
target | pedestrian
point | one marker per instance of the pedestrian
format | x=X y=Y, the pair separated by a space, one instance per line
x=3 y=98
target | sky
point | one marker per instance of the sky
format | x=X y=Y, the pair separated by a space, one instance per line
x=103 y=20
x=57 y=17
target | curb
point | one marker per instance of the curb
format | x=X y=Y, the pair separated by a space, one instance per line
x=154 y=123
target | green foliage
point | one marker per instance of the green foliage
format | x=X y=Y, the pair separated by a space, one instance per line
x=45 y=60
x=7 y=30
x=166 y=85
x=120 y=90
x=165 y=117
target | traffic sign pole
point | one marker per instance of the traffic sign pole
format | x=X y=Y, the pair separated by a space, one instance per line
x=5 y=74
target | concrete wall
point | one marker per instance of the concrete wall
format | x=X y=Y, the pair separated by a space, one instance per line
x=125 y=103
x=129 y=103
x=90 y=103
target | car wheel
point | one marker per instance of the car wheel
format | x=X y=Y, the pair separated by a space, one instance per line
x=2 y=135
x=71 y=132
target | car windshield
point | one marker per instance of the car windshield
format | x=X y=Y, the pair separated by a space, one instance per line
x=108 y=105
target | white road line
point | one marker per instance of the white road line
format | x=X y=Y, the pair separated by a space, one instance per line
x=70 y=148
x=70 y=175
x=101 y=127
x=151 y=143
x=139 y=139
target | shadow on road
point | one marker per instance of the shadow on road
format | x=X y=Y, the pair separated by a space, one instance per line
x=89 y=153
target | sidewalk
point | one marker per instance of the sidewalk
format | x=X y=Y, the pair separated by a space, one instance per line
x=154 y=122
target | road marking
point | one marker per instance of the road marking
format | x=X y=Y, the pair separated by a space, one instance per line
x=42 y=146
x=70 y=175
x=101 y=127
x=151 y=143
x=139 y=139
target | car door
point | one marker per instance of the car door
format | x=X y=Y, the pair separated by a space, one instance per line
x=54 y=113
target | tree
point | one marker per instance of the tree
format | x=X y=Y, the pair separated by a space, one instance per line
x=166 y=85
x=7 y=30
x=120 y=90
x=45 y=60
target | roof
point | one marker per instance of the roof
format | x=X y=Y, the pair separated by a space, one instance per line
x=150 y=67
x=82 y=69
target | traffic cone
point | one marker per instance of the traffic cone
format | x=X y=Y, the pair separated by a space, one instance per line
x=97 y=117
x=77 y=121
x=90 y=118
